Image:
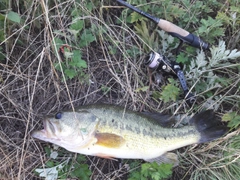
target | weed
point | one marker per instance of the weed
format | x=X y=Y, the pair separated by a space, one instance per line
x=70 y=167
x=105 y=89
x=151 y=171
x=7 y=22
x=170 y=91
x=73 y=65
x=220 y=163
x=210 y=29
x=201 y=69
x=233 y=119
x=79 y=36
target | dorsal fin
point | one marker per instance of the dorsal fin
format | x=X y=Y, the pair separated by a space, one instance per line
x=163 y=120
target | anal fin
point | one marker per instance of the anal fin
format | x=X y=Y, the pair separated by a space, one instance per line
x=105 y=156
x=169 y=158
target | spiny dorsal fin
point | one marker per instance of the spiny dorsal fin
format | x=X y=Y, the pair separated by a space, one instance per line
x=109 y=140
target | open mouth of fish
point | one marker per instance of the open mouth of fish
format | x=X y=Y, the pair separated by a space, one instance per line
x=48 y=128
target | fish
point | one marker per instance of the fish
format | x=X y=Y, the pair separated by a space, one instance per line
x=111 y=132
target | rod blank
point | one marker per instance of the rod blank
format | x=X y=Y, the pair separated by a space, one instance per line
x=171 y=28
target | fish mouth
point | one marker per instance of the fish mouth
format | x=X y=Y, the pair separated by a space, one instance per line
x=48 y=130
x=39 y=134
x=49 y=126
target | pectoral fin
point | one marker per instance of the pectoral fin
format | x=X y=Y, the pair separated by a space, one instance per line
x=109 y=140
x=169 y=157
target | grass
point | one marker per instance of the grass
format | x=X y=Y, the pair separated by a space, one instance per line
x=32 y=87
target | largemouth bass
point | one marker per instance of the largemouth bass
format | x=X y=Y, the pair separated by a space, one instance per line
x=114 y=132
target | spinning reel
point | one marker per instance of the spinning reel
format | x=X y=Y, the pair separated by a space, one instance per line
x=160 y=62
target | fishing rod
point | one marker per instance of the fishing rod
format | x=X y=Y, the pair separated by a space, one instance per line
x=171 y=28
x=161 y=63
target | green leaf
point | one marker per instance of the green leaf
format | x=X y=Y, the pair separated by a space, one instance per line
x=58 y=43
x=232 y=118
x=227 y=117
x=143 y=89
x=105 y=89
x=145 y=169
x=89 y=6
x=77 y=173
x=47 y=150
x=133 y=51
x=70 y=73
x=136 y=175
x=81 y=172
x=86 y=39
x=156 y=171
x=74 y=32
x=2 y=34
x=57 y=66
x=77 y=25
x=81 y=158
x=142 y=30
x=2 y=55
x=156 y=94
x=67 y=53
x=77 y=60
x=220 y=53
x=211 y=28
x=2 y=17
x=156 y=176
x=182 y=58
x=13 y=16
x=75 y=12
x=50 y=164
x=165 y=170
x=136 y=17
x=223 y=81
x=170 y=92
x=79 y=63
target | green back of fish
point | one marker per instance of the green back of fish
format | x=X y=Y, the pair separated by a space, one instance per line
x=204 y=125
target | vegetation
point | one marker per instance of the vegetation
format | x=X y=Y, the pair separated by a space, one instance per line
x=152 y=171
x=70 y=166
x=67 y=53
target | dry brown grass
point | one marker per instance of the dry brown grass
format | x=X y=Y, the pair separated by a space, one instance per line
x=31 y=87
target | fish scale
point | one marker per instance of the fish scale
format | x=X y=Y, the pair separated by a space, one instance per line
x=114 y=132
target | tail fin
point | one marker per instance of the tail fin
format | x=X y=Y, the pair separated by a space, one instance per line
x=208 y=125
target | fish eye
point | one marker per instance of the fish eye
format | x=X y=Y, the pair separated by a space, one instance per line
x=58 y=115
